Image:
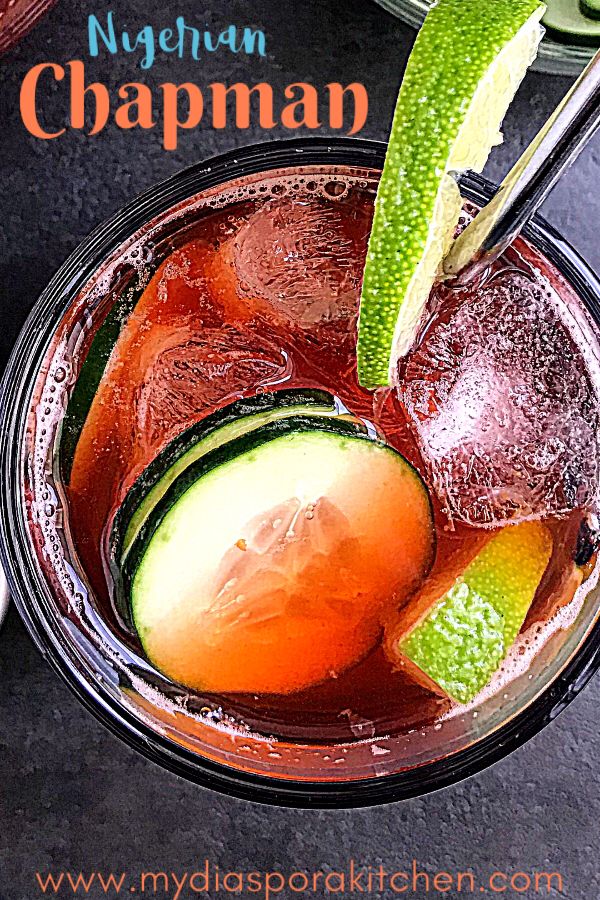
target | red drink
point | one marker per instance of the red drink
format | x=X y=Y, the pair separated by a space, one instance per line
x=126 y=385
x=259 y=292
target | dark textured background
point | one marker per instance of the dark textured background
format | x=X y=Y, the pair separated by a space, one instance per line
x=71 y=795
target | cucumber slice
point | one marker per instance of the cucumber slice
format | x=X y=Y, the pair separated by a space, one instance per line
x=216 y=458
x=89 y=378
x=268 y=563
x=214 y=431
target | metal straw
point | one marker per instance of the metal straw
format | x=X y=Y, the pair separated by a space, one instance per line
x=530 y=181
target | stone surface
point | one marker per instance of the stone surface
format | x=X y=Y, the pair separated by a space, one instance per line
x=72 y=796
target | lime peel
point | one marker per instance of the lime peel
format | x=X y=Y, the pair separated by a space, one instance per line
x=440 y=648
x=467 y=63
x=461 y=640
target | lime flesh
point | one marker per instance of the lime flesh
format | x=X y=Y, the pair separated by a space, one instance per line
x=467 y=63
x=465 y=636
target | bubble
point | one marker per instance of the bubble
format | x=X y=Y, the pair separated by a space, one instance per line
x=336 y=189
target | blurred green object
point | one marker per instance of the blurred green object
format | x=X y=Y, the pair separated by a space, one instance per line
x=590 y=8
x=562 y=52
x=574 y=21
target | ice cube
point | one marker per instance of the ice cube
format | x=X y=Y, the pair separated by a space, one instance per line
x=503 y=394
x=303 y=258
x=193 y=372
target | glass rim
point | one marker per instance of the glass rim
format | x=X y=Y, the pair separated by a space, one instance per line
x=28 y=586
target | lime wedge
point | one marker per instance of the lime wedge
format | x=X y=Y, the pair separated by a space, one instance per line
x=464 y=637
x=467 y=63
